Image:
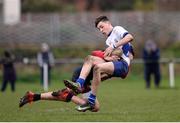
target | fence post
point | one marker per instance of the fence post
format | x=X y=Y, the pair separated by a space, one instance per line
x=171 y=74
x=45 y=76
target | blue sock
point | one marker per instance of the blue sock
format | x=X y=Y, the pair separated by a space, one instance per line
x=92 y=99
x=80 y=81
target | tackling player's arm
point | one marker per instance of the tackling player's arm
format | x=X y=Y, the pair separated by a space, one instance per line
x=115 y=55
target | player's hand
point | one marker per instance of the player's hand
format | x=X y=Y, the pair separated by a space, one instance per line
x=111 y=58
x=108 y=51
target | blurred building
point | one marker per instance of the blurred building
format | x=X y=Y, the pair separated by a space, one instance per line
x=1 y=10
x=76 y=5
x=84 y=5
x=73 y=22
x=168 y=5
x=10 y=11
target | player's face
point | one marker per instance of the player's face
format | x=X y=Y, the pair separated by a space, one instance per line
x=104 y=27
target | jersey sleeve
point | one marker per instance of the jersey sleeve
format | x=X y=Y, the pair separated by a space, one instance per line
x=120 y=31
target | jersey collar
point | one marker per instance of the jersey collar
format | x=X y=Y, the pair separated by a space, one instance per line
x=110 y=32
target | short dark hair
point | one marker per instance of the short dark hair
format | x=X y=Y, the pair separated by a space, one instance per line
x=99 y=19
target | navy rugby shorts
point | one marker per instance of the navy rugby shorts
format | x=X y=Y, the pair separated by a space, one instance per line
x=120 y=69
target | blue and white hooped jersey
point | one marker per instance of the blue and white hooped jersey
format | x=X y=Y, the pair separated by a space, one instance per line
x=116 y=35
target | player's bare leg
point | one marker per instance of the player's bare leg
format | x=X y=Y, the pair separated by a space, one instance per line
x=89 y=62
x=98 y=70
x=107 y=67
x=61 y=95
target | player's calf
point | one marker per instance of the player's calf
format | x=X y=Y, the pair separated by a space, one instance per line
x=63 y=95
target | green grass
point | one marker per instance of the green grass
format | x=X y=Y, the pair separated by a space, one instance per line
x=121 y=100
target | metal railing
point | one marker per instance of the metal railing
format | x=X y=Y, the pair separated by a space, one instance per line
x=168 y=61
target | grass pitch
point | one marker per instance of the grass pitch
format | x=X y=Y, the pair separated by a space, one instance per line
x=121 y=100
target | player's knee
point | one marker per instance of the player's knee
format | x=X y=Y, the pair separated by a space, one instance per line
x=96 y=68
x=88 y=58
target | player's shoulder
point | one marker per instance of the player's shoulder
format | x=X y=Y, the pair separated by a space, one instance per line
x=118 y=28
